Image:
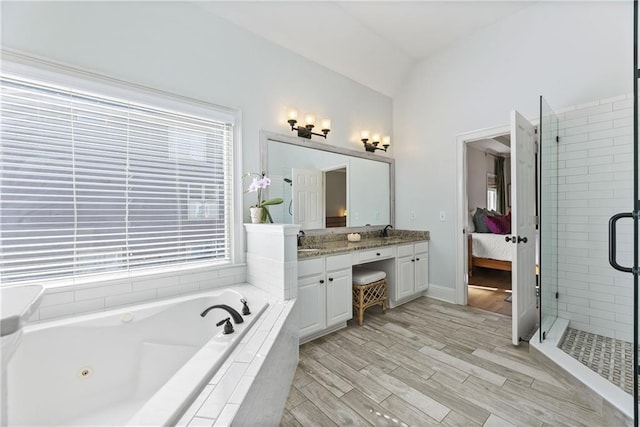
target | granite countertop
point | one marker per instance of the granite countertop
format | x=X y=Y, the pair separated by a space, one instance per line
x=314 y=246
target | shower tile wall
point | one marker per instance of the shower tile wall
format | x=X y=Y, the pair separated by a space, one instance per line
x=595 y=181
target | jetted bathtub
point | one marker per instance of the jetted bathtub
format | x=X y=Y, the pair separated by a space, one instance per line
x=139 y=365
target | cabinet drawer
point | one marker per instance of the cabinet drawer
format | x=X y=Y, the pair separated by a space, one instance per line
x=376 y=254
x=338 y=262
x=405 y=250
x=422 y=247
x=309 y=267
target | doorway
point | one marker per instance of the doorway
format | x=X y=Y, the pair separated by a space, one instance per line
x=335 y=197
x=488 y=184
x=488 y=194
x=520 y=241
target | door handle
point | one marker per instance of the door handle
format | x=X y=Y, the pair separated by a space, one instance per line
x=522 y=239
x=612 y=242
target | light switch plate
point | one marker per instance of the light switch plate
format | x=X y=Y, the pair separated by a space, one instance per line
x=443 y=215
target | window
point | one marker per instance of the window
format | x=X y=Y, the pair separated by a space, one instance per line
x=90 y=184
x=492 y=192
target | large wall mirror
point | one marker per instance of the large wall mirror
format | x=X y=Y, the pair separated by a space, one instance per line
x=325 y=186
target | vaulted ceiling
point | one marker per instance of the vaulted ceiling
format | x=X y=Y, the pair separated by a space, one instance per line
x=372 y=42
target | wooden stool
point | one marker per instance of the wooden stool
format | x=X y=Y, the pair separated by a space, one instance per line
x=369 y=289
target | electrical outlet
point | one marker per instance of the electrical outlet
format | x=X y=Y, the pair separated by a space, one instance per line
x=443 y=215
x=412 y=215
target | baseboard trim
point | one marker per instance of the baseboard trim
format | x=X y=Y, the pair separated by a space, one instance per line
x=442 y=293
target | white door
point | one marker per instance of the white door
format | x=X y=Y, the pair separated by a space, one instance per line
x=421 y=270
x=311 y=304
x=339 y=306
x=523 y=228
x=406 y=277
x=308 y=197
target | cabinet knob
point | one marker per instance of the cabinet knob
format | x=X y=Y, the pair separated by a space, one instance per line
x=378 y=253
x=417 y=259
x=321 y=281
x=331 y=279
x=413 y=260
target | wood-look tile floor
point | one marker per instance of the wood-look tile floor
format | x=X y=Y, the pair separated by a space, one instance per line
x=490 y=289
x=428 y=363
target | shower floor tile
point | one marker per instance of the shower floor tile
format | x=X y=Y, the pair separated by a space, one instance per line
x=609 y=357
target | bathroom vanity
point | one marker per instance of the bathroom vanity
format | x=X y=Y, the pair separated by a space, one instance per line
x=324 y=276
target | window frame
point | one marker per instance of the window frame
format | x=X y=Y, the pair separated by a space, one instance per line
x=18 y=65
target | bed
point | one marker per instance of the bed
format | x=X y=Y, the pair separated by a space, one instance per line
x=489 y=250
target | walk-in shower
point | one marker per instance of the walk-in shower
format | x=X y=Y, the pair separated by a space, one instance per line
x=588 y=207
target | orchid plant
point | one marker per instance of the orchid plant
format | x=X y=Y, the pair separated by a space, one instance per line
x=259 y=183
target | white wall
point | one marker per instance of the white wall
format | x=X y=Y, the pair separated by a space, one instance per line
x=180 y=48
x=478 y=164
x=572 y=52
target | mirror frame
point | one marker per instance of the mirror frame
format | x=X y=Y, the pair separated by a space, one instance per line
x=266 y=137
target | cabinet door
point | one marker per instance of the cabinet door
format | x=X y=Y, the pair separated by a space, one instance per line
x=422 y=271
x=339 y=294
x=406 y=277
x=311 y=304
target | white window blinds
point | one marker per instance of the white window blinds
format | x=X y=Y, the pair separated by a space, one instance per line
x=90 y=184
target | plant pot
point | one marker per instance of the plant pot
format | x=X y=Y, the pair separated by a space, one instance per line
x=256 y=215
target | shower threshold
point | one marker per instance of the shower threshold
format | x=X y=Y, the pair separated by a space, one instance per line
x=610 y=358
x=609 y=400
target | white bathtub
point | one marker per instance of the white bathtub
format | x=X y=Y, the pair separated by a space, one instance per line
x=139 y=365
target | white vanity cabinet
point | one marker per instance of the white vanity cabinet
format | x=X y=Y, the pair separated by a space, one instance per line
x=412 y=265
x=324 y=294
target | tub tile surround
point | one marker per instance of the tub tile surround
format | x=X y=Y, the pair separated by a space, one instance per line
x=272 y=263
x=84 y=297
x=252 y=385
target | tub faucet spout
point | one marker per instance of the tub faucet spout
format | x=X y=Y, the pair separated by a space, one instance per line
x=237 y=318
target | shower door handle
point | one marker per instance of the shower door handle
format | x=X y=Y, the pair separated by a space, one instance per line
x=612 y=242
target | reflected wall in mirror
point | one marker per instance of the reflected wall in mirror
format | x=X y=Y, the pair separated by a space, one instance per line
x=326 y=186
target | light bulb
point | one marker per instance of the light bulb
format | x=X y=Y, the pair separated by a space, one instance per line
x=310 y=119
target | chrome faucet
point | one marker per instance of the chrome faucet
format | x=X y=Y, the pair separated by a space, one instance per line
x=237 y=318
x=300 y=236
x=385 y=232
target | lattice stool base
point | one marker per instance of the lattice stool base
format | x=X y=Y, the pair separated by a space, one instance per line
x=365 y=296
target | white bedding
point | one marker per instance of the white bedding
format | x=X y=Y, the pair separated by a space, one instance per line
x=494 y=246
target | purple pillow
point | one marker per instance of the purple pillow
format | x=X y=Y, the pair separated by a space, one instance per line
x=499 y=224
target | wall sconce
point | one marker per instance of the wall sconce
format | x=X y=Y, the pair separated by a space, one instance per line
x=309 y=123
x=375 y=140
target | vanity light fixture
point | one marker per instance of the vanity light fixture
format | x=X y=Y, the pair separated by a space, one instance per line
x=375 y=140
x=306 y=131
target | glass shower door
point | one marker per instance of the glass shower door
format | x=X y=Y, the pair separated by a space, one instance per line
x=547 y=264
x=636 y=204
